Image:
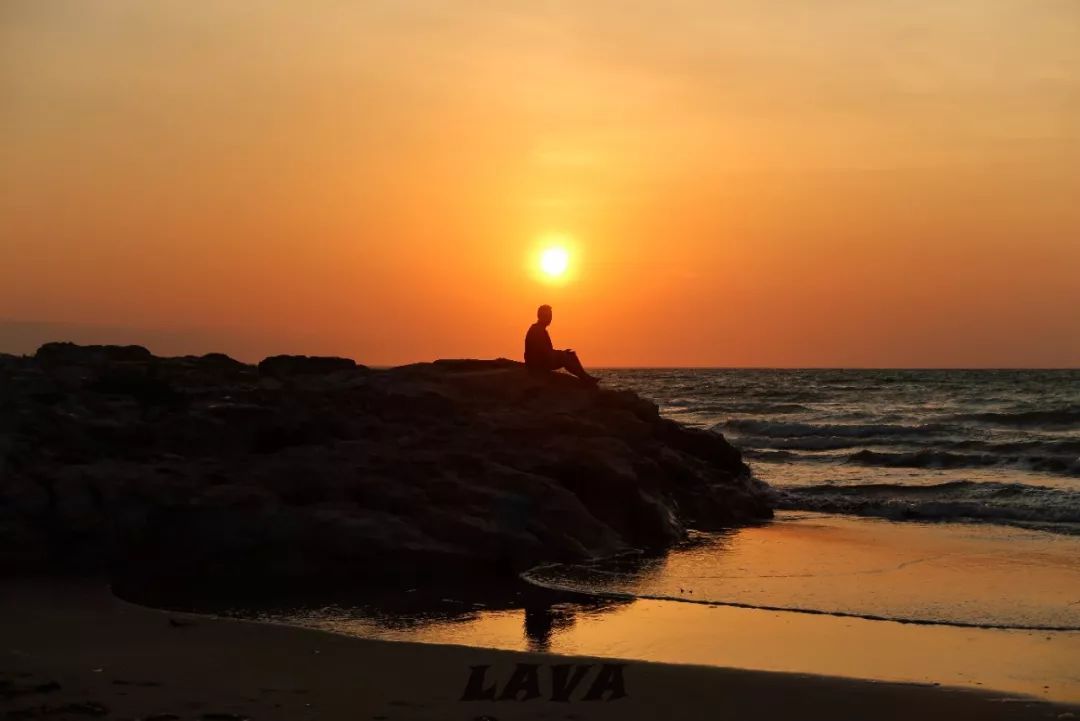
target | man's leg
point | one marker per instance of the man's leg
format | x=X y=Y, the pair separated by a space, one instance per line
x=573 y=365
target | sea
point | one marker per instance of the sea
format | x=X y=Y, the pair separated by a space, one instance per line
x=987 y=446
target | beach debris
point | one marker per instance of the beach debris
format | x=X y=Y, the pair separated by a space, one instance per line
x=180 y=623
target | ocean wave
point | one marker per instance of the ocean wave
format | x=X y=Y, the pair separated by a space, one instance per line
x=1040 y=447
x=1016 y=503
x=1056 y=417
x=807 y=443
x=1063 y=446
x=764 y=407
x=772 y=456
x=1067 y=465
x=928 y=458
x=781 y=429
x=1038 y=456
x=781 y=394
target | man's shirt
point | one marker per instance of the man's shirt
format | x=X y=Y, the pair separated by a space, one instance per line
x=538 y=348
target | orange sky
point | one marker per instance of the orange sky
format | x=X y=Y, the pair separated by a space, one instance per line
x=755 y=182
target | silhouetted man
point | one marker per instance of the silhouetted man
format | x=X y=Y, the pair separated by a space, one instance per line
x=540 y=355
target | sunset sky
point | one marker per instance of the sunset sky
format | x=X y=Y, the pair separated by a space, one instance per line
x=740 y=183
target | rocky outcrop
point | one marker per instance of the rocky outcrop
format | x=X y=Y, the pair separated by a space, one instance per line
x=204 y=467
x=289 y=365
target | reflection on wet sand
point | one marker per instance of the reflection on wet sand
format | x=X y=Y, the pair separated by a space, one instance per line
x=542 y=621
x=540 y=615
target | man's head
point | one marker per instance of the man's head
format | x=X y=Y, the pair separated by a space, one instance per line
x=543 y=315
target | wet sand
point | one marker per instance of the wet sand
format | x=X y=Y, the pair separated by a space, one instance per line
x=725 y=599
x=959 y=574
x=72 y=650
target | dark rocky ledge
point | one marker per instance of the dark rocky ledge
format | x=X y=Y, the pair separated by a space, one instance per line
x=113 y=460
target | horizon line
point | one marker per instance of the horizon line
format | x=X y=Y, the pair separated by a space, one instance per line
x=17 y=349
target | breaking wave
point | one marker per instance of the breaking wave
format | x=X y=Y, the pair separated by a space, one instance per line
x=1066 y=447
x=1050 y=509
x=1068 y=465
x=1058 y=417
x=781 y=429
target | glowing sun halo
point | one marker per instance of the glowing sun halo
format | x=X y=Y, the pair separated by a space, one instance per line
x=554 y=261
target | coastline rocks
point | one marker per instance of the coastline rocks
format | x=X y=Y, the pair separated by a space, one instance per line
x=290 y=365
x=207 y=468
x=72 y=354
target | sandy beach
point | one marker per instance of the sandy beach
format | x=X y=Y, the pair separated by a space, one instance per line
x=981 y=607
x=73 y=650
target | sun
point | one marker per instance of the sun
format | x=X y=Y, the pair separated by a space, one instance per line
x=554 y=261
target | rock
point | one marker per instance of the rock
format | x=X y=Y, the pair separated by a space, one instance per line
x=197 y=468
x=221 y=360
x=141 y=383
x=72 y=354
x=290 y=365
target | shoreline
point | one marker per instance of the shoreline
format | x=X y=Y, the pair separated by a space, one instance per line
x=881 y=527
x=554 y=612
x=134 y=661
x=1024 y=663
x=626 y=596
